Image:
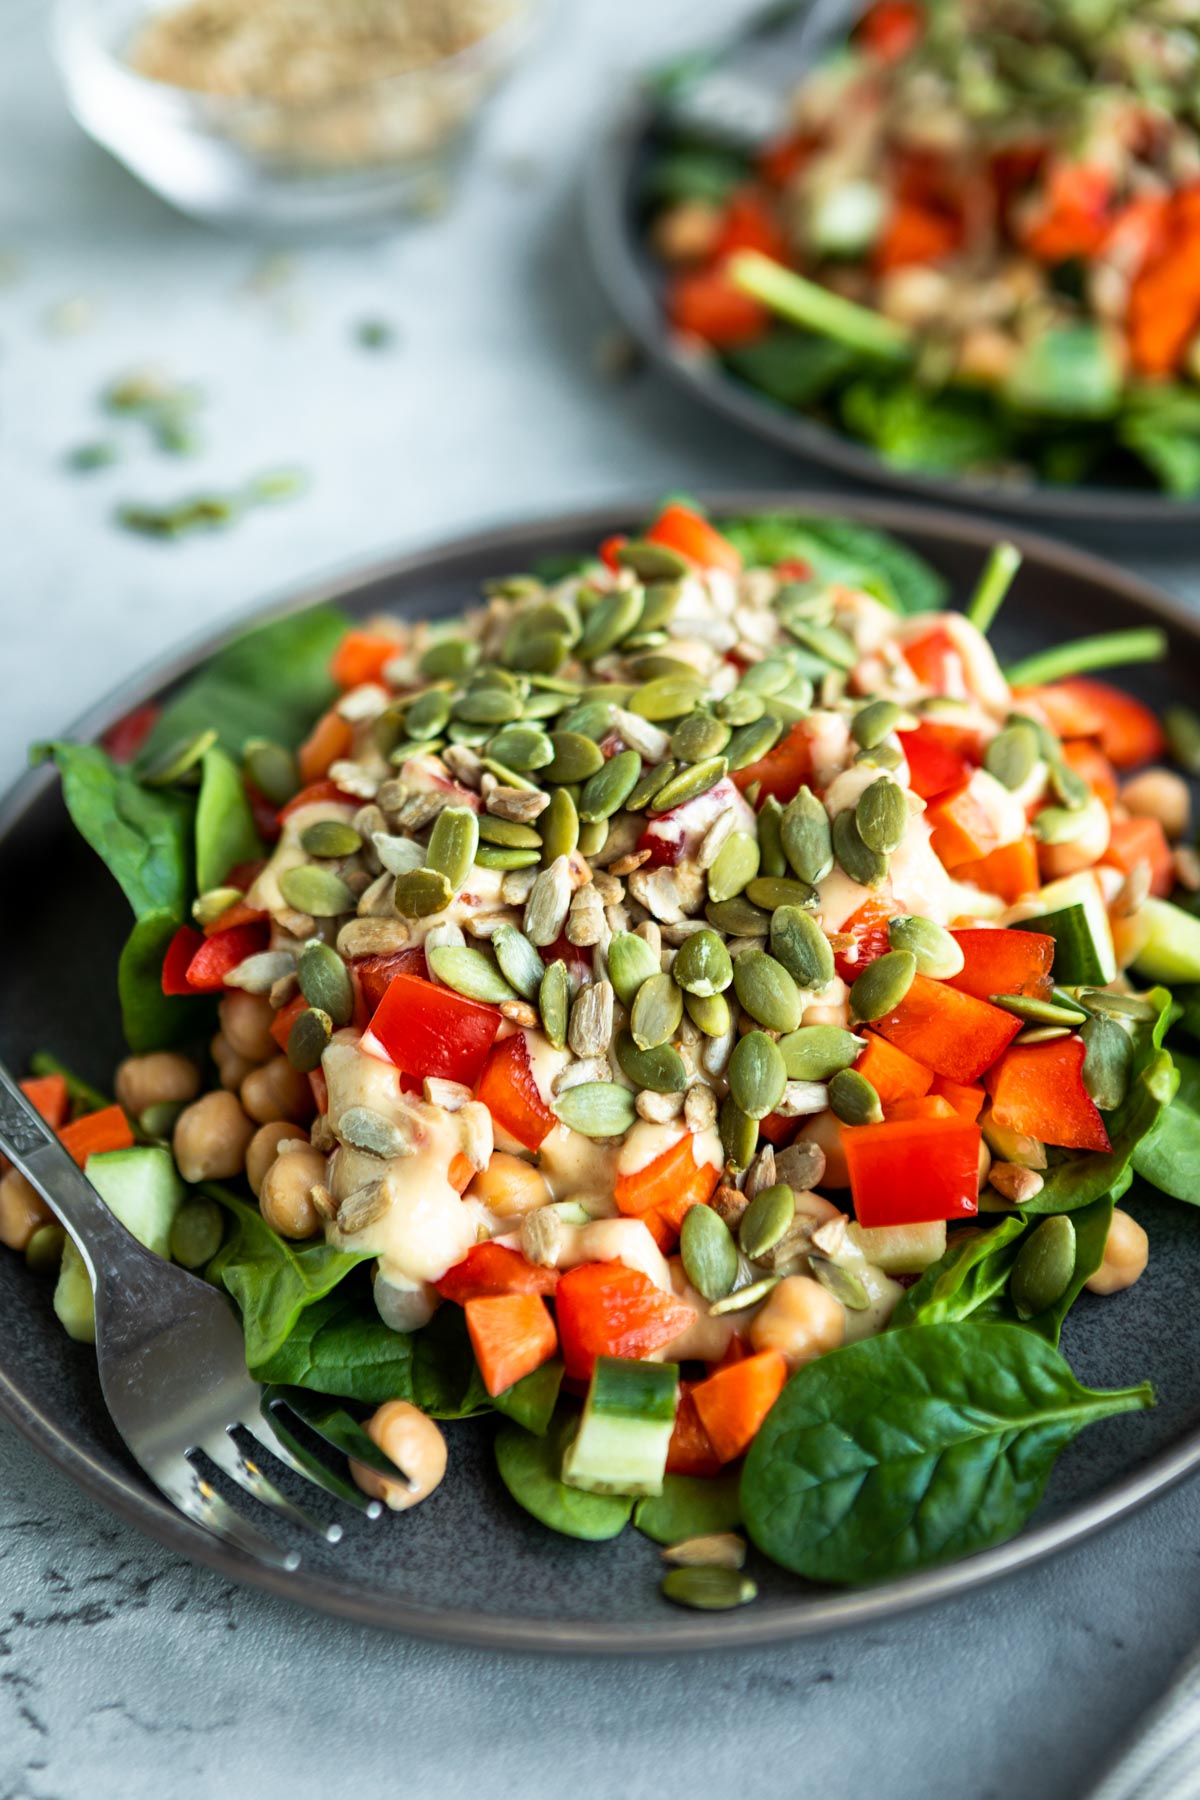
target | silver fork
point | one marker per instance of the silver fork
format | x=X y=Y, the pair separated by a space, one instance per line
x=172 y=1361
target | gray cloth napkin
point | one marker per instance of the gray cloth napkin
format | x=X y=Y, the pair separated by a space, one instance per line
x=1161 y=1761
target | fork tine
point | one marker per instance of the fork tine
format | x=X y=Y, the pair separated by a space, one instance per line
x=188 y=1490
x=272 y=1433
x=221 y=1449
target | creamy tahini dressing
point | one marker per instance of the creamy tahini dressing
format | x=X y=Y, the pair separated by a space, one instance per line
x=263 y=894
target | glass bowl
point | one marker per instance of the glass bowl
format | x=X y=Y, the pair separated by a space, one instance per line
x=382 y=146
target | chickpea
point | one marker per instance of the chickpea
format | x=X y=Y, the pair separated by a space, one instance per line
x=22 y=1210
x=211 y=1138
x=509 y=1186
x=285 y=1197
x=144 y=1081
x=246 y=1021
x=232 y=1069
x=801 y=1319
x=821 y=1014
x=277 y=1091
x=687 y=232
x=264 y=1148
x=1126 y=1252
x=1160 y=794
x=415 y=1445
x=825 y=1131
x=1056 y=860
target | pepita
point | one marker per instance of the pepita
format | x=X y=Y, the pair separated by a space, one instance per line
x=766 y=991
x=656 y=1012
x=770 y=838
x=853 y=1099
x=741 y=707
x=937 y=954
x=652 y=562
x=506 y=856
x=770 y=676
x=807 y=838
x=862 y=864
x=609 y=620
x=818 y=1052
x=523 y=747
x=1183 y=735
x=738 y=917
x=449 y=657
x=178 y=760
x=875 y=721
x=325 y=981
x=554 y=1003
x=667 y=697
x=610 y=787
x=421 y=892
x=1108 y=1061
x=1041 y=1034
x=592 y=837
x=843 y=1284
x=487 y=706
x=882 y=816
x=882 y=985
x=519 y=962
x=689 y=784
x=597 y=1109
x=660 y=1069
x=512 y=833
x=318 y=892
x=766 y=1220
x=1069 y=785
x=702 y=965
x=1044 y=1266
x=330 y=837
x=772 y=891
x=1012 y=755
x=883 y=756
x=708 y=1253
x=470 y=972
x=798 y=942
x=631 y=962
x=1060 y=824
x=1039 y=1012
x=590 y=719
x=757 y=1077
x=453 y=843
x=828 y=642
x=558 y=827
x=307 y=1039
x=575 y=758
x=271 y=769
x=739 y=1133
x=699 y=737
x=751 y=742
x=648 y=785
x=734 y=867
x=709 y=1013
x=744 y=1297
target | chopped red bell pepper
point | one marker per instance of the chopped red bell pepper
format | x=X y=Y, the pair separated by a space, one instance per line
x=705 y=304
x=309 y=795
x=331 y=737
x=783 y=771
x=362 y=656
x=510 y=1093
x=676 y=834
x=609 y=549
x=1037 y=1089
x=108 y=1129
x=891 y=1072
x=952 y=1033
x=224 y=951
x=429 y=1030
x=49 y=1098
x=890 y=28
x=966 y=1098
x=962 y=826
x=939 y=756
x=749 y=222
x=180 y=951
x=908 y=1171
x=777 y=1129
x=690 y=1451
x=1004 y=962
x=237 y=913
x=674 y=1181
x=922 y=1106
x=1009 y=872
x=679 y=528
x=1090 y=762
x=936 y=661
x=605 y=1309
x=262 y=811
x=868 y=928
x=494 y=1269
x=511 y=1335
x=1128 y=732
x=124 y=739
x=1136 y=840
x=285 y=1018
x=320 y=1089
x=733 y=1403
x=376 y=973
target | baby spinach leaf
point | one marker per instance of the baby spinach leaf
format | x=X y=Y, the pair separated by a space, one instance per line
x=913 y=1448
x=446 y=1379
x=793 y=367
x=150 y=1019
x=529 y=1468
x=1091 y=1234
x=975 y=1267
x=842 y=550
x=225 y=833
x=1067 y=372
x=271 y=1280
x=142 y=835
x=1169 y=1156
x=918 y=430
x=271 y=682
x=690 y=1506
x=531 y=1401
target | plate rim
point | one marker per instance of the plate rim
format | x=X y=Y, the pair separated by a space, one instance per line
x=615 y=262
x=809 y=1615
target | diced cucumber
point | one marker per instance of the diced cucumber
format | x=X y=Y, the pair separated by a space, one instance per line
x=628 y=1418
x=1170 y=943
x=1073 y=913
x=141 y=1186
x=900 y=1249
x=846 y=220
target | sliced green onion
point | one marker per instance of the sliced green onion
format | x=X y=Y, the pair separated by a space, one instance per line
x=993 y=585
x=1147 y=644
x=815 y=308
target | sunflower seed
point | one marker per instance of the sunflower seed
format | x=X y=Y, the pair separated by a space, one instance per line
x=469 y=972
x=362 y=1208
x=877 y=720
x=767 y=991
x=700 y=1107
x=371 y=937
x=765 y=1221
x=937 y=953
x=757 y=1077
x=709 y=1013
x=271 y=769
x=554 y=1002
x=805 y=835
x=1012 y=755
x=319 y=892
x=689 y=784
x=640 y=735
x=698 y=738
x=715 y=1550
x=818 y=1052
x=399 y=855
x=453 y=843
x=1044 y=1266
x=307 y=1039
x=751 y=742
x=735 y=866
x=882 y=816
x=519 y=962
x=853 y=1099
x=882 y=985
x=702 y=965
x=739 y=1133
x=325 y=981
x=590 y=1028
x=862 y=864
x=610 y=787
x=745 y=1297
x=597 y=1109
x=422 y=893
x=798 y=942
x=656 y=1012
x=708 y=1253
x=548 y=903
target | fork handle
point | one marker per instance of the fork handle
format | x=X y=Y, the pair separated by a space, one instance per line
x=103 y=1242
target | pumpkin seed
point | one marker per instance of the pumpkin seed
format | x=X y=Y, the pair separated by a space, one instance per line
x=757 y=1076
x=765 y=1221
x=702 y=965
x=656 y=1012
x=709 y=1013
x=307 y=1039
x=715 y=1550
x=843 y=1284
x=509 y=832
x=793 y=704
x=741 y=1298
x=1059 y=825
x=469 y=972
x=699 y=737
x=689 y=784
x=660 y=1069
x=178 y=759
x=597 y=1109
x=1039 y=1012
x=708 y=1252
x=750 y=742
x=798 y=942
x=662 y=667
x=196 y=1233
x=271 y=769
x=474 y=736
x=767 y=991
x=325 y=981
x=522 y=747
x=610 y=787
x=505 y=856
x=558 y=827
x=450 y=656
x=1041 y=1034
x=631 y=962
x=160 y=1118
x=667 y=697
x=609 y=620
x=1070 y=786
x=330 y=837
x=659 y=601
x=1118 y=1006
x=487 y=706
x=421 y=893
x=818 y=1052
x=1044 y=1266
x=208 y=907
x=507 y=777
x=1107 y=1064
x=548 y=903
x=772 y=891
x=883 y=756
x=875 y=721
x=770 y=838
x=1012 y=755
x=652 y=562
x=554 y=1003
x=739 y=1134
x=770 y=676
x=737 y=917
x=428 y=715
x=1183 y=735
x=519 y=962
x=828 y=642
x=575 y=758
x=807 y=838
x=937 y=953
x=453 y=843
x=316 y=891
x=592 y=837
x=734 y=867
x=741 y=707
x=648 y=785
x=542 y=651
x=591 y=719
x=882 y=985
x=546 y=706
x=866 y=866
x=882 y=816
x=853 y=1100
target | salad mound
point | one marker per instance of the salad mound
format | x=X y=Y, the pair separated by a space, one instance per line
x=699 y=1006
x=977 y=248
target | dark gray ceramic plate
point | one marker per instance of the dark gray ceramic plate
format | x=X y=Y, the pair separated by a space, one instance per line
x=469 y=1565
x=632 y=279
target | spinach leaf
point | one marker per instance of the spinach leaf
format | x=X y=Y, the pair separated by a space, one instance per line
x=1187 y=999
x=529 y=1468
x=1091 y=1234
x=842 y=550
x=690 y=1506
x=225 y=833
x=531 y=1401
x=142 y=835
x=793 y=367
x=150 y=1019
x=693 y=174
x=913 y=1448
x=1076 y=1178
x=270 y=682
x=272 y=1280
x=446 y=1379
x=1067 y=372
x=1169 y=1157
x=975 y=1267
x=919 y=430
